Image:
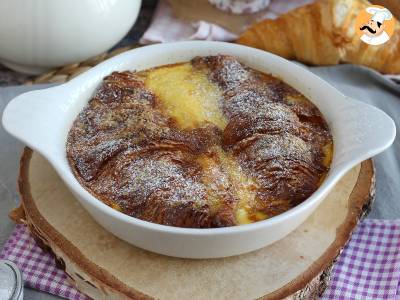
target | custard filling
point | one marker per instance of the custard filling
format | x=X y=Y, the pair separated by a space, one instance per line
x=214 y=144
x=187 y=95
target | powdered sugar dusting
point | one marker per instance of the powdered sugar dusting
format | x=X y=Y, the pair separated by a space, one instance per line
x=276 y=133
x=255 y=150
x=285 y=145
x=145 y=176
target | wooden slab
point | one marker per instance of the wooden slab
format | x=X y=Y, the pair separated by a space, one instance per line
x=104 y=267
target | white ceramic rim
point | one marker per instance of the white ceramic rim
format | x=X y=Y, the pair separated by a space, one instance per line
x=331 y=179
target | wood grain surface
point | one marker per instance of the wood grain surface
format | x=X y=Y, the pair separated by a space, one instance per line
x=101 y=265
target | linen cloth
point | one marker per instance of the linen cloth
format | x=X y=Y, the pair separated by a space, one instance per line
x=165 y=27
x=38 y=268
x=357 y=82
x=368 y=268
x=180 y=30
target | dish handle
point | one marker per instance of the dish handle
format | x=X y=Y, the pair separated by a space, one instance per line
x=363 y=131
x=36 y=119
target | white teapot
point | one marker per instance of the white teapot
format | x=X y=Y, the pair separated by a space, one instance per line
x=36 y=35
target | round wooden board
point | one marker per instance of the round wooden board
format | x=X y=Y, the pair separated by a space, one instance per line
x=104 y=267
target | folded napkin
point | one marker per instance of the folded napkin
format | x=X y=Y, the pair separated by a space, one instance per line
x=38 y=268
x=180 y=30
x=368 y=267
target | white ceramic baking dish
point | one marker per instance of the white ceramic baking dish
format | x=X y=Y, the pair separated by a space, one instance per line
x=41 y=119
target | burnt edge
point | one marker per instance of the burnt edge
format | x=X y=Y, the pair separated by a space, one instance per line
x=309 y=285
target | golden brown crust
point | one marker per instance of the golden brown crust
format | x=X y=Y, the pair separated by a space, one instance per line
x=129 y=153
x=61 y=242
x=359 y=199
x=276 y=140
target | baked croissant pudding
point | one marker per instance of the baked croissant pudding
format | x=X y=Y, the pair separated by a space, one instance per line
x=206 y=143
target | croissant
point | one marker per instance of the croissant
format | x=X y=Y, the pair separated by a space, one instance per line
x=323 y=33
x=239 y=147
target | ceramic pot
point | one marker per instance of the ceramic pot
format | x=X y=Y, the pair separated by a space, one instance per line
x=37 y=35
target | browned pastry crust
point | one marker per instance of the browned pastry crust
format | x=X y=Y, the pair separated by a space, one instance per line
x=323 y=33
x=129 y=153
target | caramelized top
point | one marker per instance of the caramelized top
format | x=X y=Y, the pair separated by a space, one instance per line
x=208 y=143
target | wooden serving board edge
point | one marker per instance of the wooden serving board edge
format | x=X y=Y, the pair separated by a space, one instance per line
x=318 y=273
x=94 y=280
x=81 y=270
